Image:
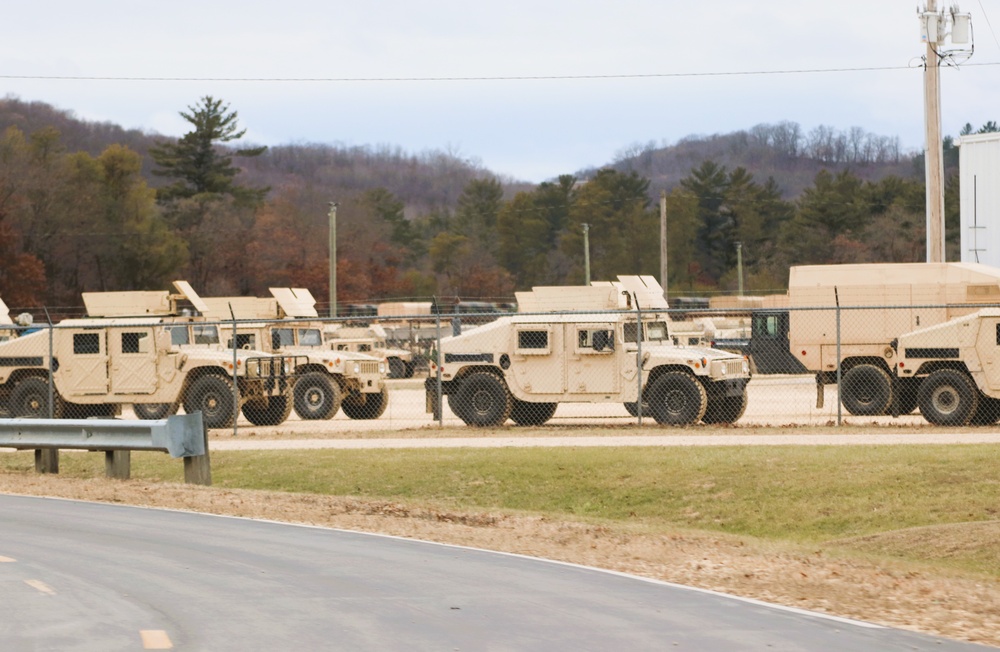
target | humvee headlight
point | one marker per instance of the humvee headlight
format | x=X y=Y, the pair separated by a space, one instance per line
x=746 y=366
x=722 y=369
x=381 y=367
x=357 y=368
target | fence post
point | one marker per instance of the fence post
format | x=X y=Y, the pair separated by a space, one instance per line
x=840 y=404
x=118 y=464
x=198 y=469
x=438 y=404
x=47 y=460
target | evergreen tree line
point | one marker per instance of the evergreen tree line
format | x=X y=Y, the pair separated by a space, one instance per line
x=73 y=222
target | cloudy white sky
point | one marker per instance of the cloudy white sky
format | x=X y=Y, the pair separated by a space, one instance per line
x=612 y=73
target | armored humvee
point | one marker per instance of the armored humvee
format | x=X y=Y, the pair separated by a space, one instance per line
x=100 y=362
x=371 y=340
x=327 y=380
x=953 y=369
x=521 y=366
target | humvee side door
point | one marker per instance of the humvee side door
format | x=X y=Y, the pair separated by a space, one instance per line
x=133 y=360
x=592 y=358
x=83 y=362
x=537 y=362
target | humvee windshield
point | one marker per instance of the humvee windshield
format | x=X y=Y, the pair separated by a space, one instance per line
x=197 y=333
x=310 y=337
x=656 y=331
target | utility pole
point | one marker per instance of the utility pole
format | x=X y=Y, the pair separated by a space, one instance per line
x=663 y=242
x=586 y=254
x=333 y=258
x=933 y=155
x=935 y=28
x=739 y=265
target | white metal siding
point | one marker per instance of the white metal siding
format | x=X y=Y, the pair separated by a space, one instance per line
x=979 y=158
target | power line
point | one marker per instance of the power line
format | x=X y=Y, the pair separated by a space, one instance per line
x=664 y=75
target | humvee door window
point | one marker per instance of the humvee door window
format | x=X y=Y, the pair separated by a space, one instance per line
x=205 y=334
x=310 y=337
x=597 y=339
x=998 y=334
x=364 y=347
x=130 y=342
x=178 y=335
x=286 y=336
x=532 y=342
x=244 y=341
x=84 y=343
x=342 y=347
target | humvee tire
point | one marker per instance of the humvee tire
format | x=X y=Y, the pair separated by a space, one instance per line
x=948 y=398
x=866 y=390
x=409 y=370
x=269 y=411
x=482 y=400
x=154 y=410
x=725 y=409
x=397 y=368
x=633 y=409
x=366 y=406
x=317 y=396
x=524 y=413
x=987 y=412
x=30 y=400
x=213 y=397
x=677 y=399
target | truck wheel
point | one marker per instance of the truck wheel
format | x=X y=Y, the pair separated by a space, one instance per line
x=677 y=399
x=368 y=406
x=154 y=410
x=397 y=368
x=725 y=409
x=30 y=400
x=948 y=398
x=269 y=411
x=317 y=396
x=987 y=412
x=524 y=413
x=409 y=370
x=633 y=409
x=213 y=397
x=866 y=390
x=482 y=400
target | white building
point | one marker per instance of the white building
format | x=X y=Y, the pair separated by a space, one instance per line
x=979 y=161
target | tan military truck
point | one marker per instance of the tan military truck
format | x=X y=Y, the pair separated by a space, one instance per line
x=878 y=302
x=953 y=369
x=522 y=366
x=326 y=380
x=371 y=340
x=99 y=363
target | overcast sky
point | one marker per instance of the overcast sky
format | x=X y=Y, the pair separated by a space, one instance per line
x=654 y=63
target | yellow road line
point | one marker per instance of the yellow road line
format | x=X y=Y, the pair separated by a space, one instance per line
x=41 y=586
x=155 y=639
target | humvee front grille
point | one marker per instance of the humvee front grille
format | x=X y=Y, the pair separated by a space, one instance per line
x=734 y=367
x=369 y=367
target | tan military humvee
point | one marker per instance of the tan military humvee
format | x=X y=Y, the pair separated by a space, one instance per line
x=371 y=340
x=521 y=366
x=953 y=369
x=102 y=362
x=326 y=380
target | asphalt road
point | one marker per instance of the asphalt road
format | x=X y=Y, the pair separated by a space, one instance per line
x=86 y=577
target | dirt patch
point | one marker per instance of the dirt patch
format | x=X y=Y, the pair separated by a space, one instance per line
x=899 y=596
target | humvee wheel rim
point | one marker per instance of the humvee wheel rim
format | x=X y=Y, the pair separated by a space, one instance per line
x=482 y=402
x=675 y=401
x=35 y=404
x=314 y=397
x=211 y=403
x=944 y=399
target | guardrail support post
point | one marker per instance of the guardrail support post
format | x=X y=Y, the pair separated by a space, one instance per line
x=118 y=464
x=198 y=468
x=46 y=460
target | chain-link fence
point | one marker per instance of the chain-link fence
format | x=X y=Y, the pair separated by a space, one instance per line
x=913 y=365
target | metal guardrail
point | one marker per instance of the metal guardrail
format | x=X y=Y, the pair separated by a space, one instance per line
x=179 y=436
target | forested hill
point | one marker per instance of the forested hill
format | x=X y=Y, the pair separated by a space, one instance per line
x=782 y=151
x=90 y=206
